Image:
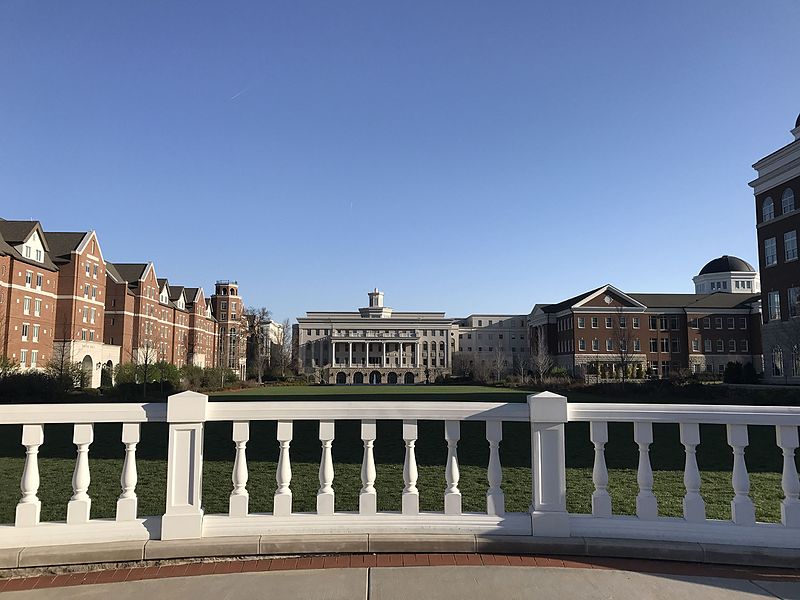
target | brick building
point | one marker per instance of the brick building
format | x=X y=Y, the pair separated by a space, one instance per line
x=228 y=309
x=777 y=224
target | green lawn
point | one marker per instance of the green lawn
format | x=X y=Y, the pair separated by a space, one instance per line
x=714 y=457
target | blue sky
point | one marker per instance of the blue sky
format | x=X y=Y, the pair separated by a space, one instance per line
x=462 y=156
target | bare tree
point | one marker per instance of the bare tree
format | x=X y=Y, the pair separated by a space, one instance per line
x=521 y=367
x=542 y=360
x=145 y=359
x=259 y=319
x=499 y=363
x=624 y=346
x=283 y=347
x=462 y=366
x=60 y=366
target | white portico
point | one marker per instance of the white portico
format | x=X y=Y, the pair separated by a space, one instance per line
x=375 y=344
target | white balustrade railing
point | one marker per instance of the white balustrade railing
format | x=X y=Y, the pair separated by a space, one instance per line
x=547 y=414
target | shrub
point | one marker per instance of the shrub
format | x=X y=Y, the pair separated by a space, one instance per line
x=733 y=373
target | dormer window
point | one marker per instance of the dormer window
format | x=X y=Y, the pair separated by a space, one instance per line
x=38 y=255
x=27 y=251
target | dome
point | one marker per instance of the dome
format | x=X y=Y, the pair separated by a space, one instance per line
x=797 y=123
x=725 y=264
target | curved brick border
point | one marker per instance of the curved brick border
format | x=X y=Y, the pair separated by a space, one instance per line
x=339 y=561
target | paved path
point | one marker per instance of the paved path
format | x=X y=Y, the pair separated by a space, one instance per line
x=446 y=582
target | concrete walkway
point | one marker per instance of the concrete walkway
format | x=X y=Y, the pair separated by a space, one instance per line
x=417 y=583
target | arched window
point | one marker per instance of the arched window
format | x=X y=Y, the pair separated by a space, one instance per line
x=441 y=346
x=787 y=201
x=424 y=345
x=767 y=210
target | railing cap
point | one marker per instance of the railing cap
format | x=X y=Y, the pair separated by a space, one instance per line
x=547 y=407
x=187 y=407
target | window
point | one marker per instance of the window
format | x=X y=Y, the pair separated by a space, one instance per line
x=623 y=321
x=609 y=345
x=673 y=323
x=623 y=346
x=663 y=323
x=742 y=322
x=637 y=345
x=39 y=281
x=790 y=245
x=744 y=345
x=777 y=361
x=653 y=323
x=594 y=322
x=707 y=323
x=693 y=323
x=85 y=314
x=717 y=322
x=25 y=328
x=608 y=322
x=767 y=210
x=26 y=306
x=34 y=355
x=27 y=251
x=581 y=322
x=653 y=345
x=37 y=307
x=38 y=255
x=595 y=345
x=774 y=306
x=88 y=269
x=665 y=345
x=581 y=344
x=770 y=252
x=23 y=358
x=707 y=346
x=94 y=293
x=731 y=323
x=92 y=315
x=794 y=298
x=731 y=345
x=720 y=346
x=636 y=322
x=676 y=345
x=28 y=278
x=94 y=274
x=36 y=333
x=86 y=290
x=787 y=201
x=695 y=345
x=480 y=324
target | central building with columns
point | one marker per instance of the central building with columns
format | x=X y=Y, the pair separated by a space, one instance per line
x=375 y=344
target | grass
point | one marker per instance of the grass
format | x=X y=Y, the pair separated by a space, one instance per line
x=57 y=457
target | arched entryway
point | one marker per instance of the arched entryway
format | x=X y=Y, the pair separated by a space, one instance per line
x=87 y=365
x=107 y=375
x=391 y=378
x=358 y=377
x=408 y=378
x=341 y=377
x=375 y=378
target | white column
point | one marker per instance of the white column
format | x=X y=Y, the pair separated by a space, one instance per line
x=186 y=415
x=743 y=512
x=452 y=495
x=80 y=504
x=694 y=508
x=790 y=506
x=367 y=499
x=349 y=354
x=601 y=501
x=548 y=414
x=410 y=492
x=495 y=499
x=383 y=354
x=127 y=503
x=646 y=503
x=282 y=501
x=366 y=355
x=29 y=508
x=239 y=501
x=333 y=353
x=325 y=494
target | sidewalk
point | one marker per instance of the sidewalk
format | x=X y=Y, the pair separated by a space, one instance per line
x=449 y=582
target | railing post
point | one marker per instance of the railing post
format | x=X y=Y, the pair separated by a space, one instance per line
x=127 y=503
x=186 y=414
x=548 y=415
x=29 y=507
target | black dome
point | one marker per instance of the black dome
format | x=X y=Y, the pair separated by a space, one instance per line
x=797 y=123
x=726 y=263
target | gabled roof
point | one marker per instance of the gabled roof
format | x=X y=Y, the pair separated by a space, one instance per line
x=14 y=233
x=130 y=272
x=175 y=292
x=716 y=300
x=569 y=302
x=63 y=243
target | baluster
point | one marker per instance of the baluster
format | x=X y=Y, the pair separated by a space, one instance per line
x=29 y=507
x=694 y=509
x=127 y=503
x=742 y=510
x=452 y=495
x=240 y=499
x=601 y=501
x=325 y=494
x=282 y=503
x=790 y=506
x=367 y=500
x=495 y=499
x=80 y=504
x=410 y=492
x=646 y=503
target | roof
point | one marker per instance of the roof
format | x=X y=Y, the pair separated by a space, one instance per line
x=697 y=301
x=726 y=264
x=797 y=123
x=175 y=292
x=16 y=232
x=130 y=272
x=62 y=243
x=13 y=233
x=564 y=304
